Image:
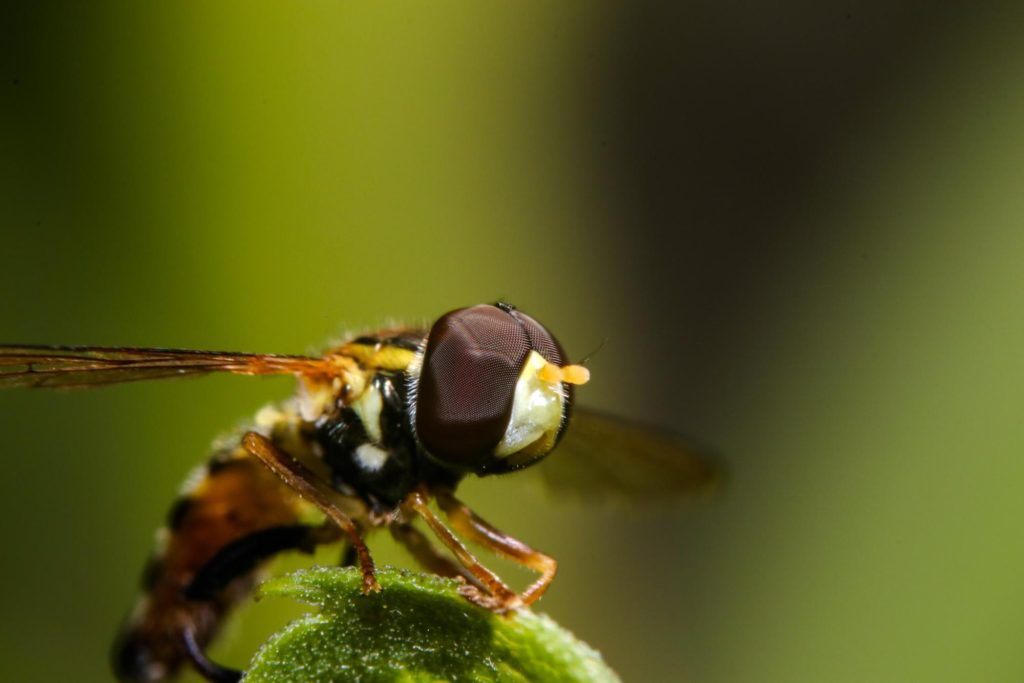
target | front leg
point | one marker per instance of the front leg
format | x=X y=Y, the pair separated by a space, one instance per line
x=314 y=489
x=480 y=531
x=499 y=598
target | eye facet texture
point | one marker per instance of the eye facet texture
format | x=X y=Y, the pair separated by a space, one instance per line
x=473 y=359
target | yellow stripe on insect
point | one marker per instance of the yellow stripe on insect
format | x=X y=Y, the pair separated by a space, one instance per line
x=381 y=357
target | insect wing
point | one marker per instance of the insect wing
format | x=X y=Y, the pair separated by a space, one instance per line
x=608 y=457
x=71 y=367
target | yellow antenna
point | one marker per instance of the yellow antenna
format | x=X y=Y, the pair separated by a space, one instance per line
x=570 y=374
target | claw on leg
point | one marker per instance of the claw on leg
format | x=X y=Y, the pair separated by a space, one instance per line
x=208 y=669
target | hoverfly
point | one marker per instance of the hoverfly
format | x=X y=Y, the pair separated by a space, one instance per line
x=380 y=426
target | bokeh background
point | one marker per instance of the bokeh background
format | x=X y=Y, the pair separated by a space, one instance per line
x=797 y=227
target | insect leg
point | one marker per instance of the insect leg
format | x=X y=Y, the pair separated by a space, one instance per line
x=211 y=671
x=315 y=490
x=478 y=530
x=238 y=559
x=245 y=554
x=501 y=598
x=424 y=552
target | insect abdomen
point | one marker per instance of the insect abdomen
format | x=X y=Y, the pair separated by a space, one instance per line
x=233 y=497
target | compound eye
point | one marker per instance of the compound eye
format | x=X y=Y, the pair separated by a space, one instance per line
x=541 y=341
x=467 y=383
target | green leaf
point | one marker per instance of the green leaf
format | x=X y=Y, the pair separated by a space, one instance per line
x=418 y=628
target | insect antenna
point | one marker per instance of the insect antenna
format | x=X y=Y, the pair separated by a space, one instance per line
x=586 y=358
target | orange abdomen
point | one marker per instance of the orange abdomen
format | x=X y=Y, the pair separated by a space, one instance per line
x=232 y=498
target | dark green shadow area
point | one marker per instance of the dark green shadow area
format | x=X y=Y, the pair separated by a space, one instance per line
x=417 y=628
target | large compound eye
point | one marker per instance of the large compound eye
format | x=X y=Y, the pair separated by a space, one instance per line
x=466 y=395
x=541 y=340
x=467 y=385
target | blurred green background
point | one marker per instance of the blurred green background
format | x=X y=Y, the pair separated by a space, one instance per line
x=798 y=227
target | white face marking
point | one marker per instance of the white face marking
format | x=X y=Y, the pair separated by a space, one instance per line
x=370 y=457
x=536 y=408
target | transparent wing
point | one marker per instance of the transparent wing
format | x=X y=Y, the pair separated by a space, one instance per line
x=606 y=457
x=88 y=366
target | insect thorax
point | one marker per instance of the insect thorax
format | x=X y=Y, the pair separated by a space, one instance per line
x=370 y=446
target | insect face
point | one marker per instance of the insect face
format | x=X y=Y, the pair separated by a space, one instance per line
x=492 y=394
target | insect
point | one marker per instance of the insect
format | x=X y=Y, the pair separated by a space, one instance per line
x=380 y=426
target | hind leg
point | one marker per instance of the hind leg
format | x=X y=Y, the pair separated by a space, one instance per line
x=239 y=559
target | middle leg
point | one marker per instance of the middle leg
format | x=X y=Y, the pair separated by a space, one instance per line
x=480 y=531
x=490 y=591
x=428 y=556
